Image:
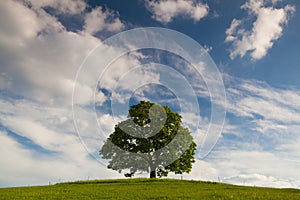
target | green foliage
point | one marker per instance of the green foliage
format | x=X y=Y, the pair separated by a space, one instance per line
x=146 y=189
x=153 y=141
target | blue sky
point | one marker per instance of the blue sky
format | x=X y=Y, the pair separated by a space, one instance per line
x=253 y=43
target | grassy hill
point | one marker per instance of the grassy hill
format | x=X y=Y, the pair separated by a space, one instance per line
x=146 y=189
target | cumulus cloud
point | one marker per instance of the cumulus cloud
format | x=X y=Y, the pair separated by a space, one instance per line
x=40 y=57
x=166 y=10
x=232 y=29
x=24 y=23
x=98 y=20
x=39 y=60
x=266 y=29
x=65 y=7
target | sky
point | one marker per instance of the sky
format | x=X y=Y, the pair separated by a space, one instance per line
x=71 y=69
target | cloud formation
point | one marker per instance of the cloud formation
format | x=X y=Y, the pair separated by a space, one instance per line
x=64 y=7
x=260 y=180
x=39 y=60
x=252 y=98
x=259 y=146
x=166 y=10
x=266 y=29
x=98 y=20
x=39 y=56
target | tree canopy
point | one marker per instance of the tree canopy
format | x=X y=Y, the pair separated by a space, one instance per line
x=153 y=140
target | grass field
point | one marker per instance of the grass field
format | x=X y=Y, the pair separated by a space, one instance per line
x=146 y=189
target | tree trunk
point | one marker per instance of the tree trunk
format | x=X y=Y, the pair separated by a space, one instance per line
x=152 y=166
x=153 y=174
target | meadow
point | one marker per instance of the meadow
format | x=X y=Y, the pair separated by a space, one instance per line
x=141 y=188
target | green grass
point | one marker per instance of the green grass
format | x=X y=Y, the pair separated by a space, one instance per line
x=146 y=189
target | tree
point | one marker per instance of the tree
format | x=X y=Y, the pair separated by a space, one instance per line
x=153 y=140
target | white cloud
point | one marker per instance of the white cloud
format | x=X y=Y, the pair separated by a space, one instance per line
x=266 y=29
x=46 y=126
x=260 y=180
x=286 y=97
x=65 y=6
x=269 y=122
x=50 y=128
x=255 y=168
x=41 y=135
x=39 y=60
x=207 y=48
x=40 y=57
x=245 y=168
x=232 y=30
x=290 y=150
x=165 y=10
x=98 y=20
x=121 y=70
x=24 y=23
x=202 y=170
x=251 y=98
x=21 y=166
x=257 y=106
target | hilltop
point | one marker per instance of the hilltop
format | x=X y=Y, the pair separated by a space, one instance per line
x=140 y=188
